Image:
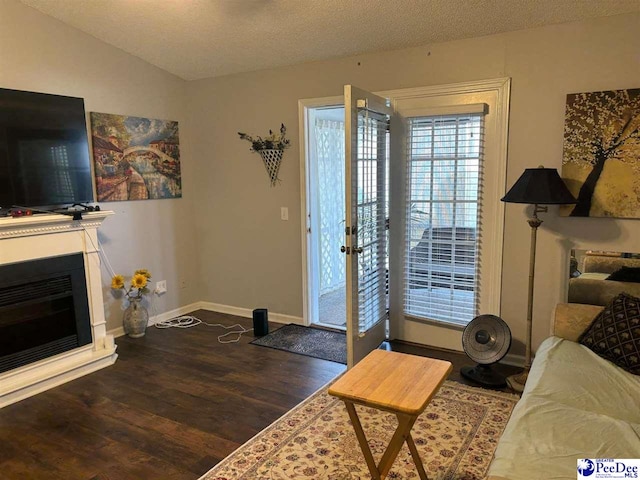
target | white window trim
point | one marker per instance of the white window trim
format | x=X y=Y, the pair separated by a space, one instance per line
x=449 y=336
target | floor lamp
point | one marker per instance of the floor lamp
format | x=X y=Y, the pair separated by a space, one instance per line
x=538 y=187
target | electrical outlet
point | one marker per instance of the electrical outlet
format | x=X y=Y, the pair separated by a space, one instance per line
x=161 y=287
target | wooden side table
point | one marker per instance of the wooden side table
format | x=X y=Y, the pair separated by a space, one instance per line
x=394 y=382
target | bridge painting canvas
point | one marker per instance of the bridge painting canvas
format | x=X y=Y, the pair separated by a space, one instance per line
x=135 y=158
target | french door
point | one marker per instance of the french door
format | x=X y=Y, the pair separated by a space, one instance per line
x=366 y=165
x=432 y=221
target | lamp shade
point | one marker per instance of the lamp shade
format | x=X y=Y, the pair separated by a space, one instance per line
x=539 y=186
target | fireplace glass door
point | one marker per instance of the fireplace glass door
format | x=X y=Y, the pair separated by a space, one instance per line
x=44 y=310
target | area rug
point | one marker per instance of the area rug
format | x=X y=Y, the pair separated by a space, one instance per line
x=313 y=342
x=456 y=437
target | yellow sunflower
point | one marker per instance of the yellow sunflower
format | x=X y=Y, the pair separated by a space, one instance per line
x=143 y=271
x=139 y=281
x=117 y=282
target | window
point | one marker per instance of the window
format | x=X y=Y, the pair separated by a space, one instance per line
x=60 y=174
x=371 y=205
x=441 y=276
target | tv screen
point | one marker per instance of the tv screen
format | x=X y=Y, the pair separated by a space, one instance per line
x=44 y=153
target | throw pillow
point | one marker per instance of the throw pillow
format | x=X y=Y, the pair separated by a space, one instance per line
x=615 y=333
x=626 y=274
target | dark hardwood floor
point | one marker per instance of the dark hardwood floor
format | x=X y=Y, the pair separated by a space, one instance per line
x=457 y=359
x=174 y=404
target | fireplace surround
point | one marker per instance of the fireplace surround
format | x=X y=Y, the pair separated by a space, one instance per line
x=52 y=323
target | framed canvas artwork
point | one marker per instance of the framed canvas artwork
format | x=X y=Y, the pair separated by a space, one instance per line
x=601 y=154
x=135 y=158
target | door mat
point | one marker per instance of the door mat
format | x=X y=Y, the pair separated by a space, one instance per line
x=312 y=342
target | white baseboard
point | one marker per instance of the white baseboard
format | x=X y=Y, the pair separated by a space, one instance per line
x=212 y=307
x=248 y=313
x=161 y=317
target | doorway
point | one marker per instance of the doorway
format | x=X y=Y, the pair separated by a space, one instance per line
x=326 y=215
x=345 y=153
x=443 y=225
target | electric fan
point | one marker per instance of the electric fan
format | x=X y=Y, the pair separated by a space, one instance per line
x=486 y=340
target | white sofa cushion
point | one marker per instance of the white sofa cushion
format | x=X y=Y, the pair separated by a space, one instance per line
x=575 y=405
x=572 y=374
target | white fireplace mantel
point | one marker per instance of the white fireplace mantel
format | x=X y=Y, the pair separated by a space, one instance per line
x=40 y=236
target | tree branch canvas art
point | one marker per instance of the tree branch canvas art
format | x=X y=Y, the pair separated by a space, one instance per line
x=601 y=156
x=135 y=158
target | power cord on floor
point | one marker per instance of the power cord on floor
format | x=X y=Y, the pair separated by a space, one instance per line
x=189 y=321
x=185 y=321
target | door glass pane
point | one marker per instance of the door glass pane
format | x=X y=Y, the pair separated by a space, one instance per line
x=371 y=211
x=441 y=268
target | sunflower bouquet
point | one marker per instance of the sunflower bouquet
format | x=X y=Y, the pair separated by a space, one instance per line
x=137 y=287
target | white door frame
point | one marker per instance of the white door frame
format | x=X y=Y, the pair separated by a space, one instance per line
x=501 y=86
x=419 y=330
x=308 y=287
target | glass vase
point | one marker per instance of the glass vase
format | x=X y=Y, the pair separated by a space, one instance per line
x=136 y=318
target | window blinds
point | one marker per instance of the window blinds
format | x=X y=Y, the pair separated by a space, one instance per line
x=441 y=276
x=370 y=187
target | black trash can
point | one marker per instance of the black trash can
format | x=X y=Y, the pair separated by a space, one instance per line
x=260 y=322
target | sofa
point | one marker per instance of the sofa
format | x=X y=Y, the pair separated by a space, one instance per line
x=575 y=405
x=592 y=285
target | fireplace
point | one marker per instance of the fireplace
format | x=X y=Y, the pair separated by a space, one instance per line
x=43 y=309
x=52 y=324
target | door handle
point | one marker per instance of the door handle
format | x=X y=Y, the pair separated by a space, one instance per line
x=344 y=249
x=357 y=249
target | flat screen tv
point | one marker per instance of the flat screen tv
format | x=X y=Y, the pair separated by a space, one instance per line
x=44 y=153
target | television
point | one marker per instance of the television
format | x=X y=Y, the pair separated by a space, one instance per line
x=44 y=152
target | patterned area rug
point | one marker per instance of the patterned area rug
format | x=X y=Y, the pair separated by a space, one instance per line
x=456 y=437
x=313 y=342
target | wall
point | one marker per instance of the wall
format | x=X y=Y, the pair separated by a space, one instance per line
x=235 y=250
x=38 y=53
x=253 y=259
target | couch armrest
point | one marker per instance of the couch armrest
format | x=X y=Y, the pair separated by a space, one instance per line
x=571 y=319
x=599 y=292
x=606 y=264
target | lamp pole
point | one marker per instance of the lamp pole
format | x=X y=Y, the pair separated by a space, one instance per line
x=534 y=223
x=518 y=381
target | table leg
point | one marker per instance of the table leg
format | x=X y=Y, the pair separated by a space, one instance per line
x=362 y=440
x=401 y=435
x=416 y=458
x=405 y=422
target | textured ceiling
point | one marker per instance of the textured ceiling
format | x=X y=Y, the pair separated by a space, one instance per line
x=196 y=39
